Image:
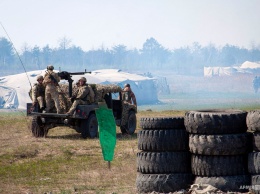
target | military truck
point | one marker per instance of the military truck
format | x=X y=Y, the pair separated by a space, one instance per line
x=84 y=119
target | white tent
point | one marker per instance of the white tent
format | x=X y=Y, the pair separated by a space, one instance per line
x=219 y=71
x=250 y=65
x=14 y=88
x=247 y=67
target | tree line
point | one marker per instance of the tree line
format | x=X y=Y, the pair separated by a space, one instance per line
x=152 y=56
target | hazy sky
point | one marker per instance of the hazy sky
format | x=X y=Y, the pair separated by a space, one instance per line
x=93 y=23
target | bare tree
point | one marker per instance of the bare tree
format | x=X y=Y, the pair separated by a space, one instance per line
x=64 y=43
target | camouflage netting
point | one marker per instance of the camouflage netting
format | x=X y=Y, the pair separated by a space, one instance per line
x=99 y=90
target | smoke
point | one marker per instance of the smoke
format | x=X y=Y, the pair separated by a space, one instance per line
x=197 y=92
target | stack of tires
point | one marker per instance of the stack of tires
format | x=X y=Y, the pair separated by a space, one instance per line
x=219 y=145
x=253 y=124
x=163 y=164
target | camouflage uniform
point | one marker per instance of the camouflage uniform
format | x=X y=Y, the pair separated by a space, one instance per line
x=91 y=96
x=128 y=95
x=81 y=97
x=129 y=100
x=38 y=93
x=51 y=92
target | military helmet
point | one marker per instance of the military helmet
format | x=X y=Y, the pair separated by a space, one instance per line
x=50 y=67
x=127 y=85
x=39 y=77
x=83 y=79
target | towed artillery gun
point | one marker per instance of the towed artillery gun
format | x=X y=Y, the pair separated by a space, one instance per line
x=84 y=119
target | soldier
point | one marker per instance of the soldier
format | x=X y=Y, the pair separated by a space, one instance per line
x=128 y=95
x=81 y=96
x=38 y=93
x=51 y=80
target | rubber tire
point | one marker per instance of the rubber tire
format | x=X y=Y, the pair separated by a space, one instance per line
x=89 y=127
x=226 y=183
x=163 y=140
x=162 y=123
x=215 y=121
x=131 y=124
x=218 y=165
x=164 y=183
x=163 y=162
x=253 y=120
x=36 y=127
x=255 y=181
x=256 y=141
x=229 y=144
x=254 y=163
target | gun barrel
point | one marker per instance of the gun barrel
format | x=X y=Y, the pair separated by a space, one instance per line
x=78 y=73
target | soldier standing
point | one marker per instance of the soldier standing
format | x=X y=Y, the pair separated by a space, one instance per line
x=38 y=93
x=81 y=96
x=128 y=95
x=51 y=80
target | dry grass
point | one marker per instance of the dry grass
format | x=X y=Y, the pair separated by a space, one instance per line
x=63 y=162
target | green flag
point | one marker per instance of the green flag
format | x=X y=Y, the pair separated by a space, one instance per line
x=107 y=131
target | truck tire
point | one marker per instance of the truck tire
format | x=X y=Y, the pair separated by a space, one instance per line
x=226 y=183
x=256 y=141
x=162 y=123
x=130 y=126
x=255 y=182
x=163 y=162
x=89 y=127
x=163 y=183
x=229 y=144
x=253 y=120
x=36 y=127
x=163 y=140
x=215 y=121
x=218 y=165
x=254 y=163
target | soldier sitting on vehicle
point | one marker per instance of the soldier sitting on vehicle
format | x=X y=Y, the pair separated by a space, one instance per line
x=128 y=95
x=83 y=95
x=38 y=93
x=51 y=80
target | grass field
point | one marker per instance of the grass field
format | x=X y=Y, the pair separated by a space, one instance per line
x=63 y=162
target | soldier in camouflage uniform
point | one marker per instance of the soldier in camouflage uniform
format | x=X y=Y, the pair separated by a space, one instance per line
x=38 y=93
x=129 y=99
x=51 y=80
x=81 y=96
x=128 y=95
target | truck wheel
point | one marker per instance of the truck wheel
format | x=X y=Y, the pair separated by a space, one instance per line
x=89 y=127
x=163 y=183
x=227 y=144
x=202 y=165
x=256 y=141
x=215 y=121
x=37 y=129
x=130 y=127
x=163 y=140
x=158 y=162
x=162 y=123
x=253 y=121
x=254 y=163
x=255 y=182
